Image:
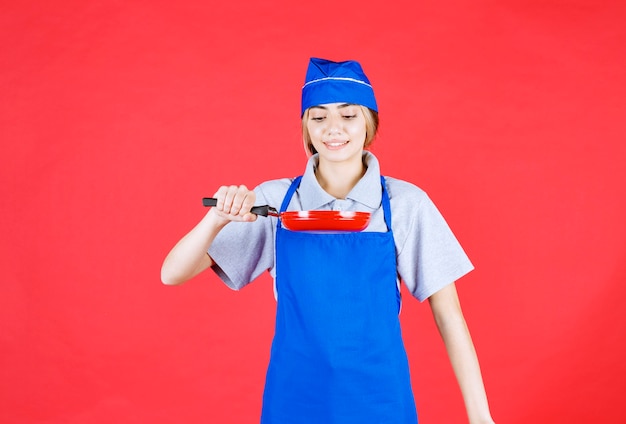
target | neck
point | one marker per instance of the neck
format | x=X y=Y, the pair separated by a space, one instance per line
x=338 y=179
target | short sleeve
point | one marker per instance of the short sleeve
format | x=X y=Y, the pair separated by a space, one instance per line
x=430 y=256
x=242 y=251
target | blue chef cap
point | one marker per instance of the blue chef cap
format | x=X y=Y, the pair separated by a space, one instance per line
x=333 y=82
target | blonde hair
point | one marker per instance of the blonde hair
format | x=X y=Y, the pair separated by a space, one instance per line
x=371 y=128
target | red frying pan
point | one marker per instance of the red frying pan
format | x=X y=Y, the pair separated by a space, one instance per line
x=311 y=220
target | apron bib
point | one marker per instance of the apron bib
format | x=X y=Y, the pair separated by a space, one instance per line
x=337 y=356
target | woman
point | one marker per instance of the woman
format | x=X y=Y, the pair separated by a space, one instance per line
x=337 y=354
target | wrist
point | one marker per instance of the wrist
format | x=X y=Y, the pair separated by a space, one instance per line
x=214 y=220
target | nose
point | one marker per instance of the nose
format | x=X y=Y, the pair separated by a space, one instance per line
x=334 y=124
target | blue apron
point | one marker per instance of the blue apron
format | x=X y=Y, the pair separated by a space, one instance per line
x=337 y=356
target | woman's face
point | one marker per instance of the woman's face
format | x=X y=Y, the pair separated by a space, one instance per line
x=337 y=131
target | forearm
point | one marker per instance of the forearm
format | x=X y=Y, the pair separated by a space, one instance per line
x=456 y=337
x=189 y=256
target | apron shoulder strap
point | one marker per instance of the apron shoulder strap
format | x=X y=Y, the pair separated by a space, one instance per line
x=292 y=189
x=386 y=204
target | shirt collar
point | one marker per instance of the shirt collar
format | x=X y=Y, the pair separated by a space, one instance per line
x=367 y=191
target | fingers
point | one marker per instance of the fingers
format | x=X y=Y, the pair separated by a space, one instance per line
x=235 y=202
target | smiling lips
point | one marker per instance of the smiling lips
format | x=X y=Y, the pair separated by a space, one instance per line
x=334 y=144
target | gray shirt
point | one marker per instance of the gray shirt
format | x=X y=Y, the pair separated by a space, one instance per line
x=429 y=257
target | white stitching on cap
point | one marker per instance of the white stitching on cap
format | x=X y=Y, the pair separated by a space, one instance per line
x=337 y=78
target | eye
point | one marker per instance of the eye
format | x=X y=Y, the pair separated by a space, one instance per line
x=349 y=116
x=317 y=118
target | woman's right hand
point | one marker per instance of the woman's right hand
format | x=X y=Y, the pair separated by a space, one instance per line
x=189 y=256
x=234 y=204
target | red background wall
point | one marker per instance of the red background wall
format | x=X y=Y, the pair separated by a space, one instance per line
x=117 y=117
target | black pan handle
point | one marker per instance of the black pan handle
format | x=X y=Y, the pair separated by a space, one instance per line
x=209 y=201
x=257 y=210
